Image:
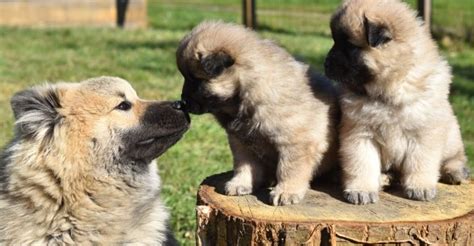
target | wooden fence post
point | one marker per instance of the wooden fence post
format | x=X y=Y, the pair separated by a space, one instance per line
x=249 y=15
x=121 y=12
x=424 y=11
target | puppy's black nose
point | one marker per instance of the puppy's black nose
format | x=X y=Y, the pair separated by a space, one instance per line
x=180 y=105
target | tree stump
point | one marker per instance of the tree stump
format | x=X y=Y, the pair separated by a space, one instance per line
x=324 y=218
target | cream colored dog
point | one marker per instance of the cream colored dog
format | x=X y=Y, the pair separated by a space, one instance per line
x=279 y=116
x=396 y=113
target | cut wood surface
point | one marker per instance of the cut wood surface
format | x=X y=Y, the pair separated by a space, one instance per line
x=325 y=218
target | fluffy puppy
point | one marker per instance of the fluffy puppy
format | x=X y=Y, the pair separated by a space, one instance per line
x=279 y=116
x=396 y=113
x=80 y=169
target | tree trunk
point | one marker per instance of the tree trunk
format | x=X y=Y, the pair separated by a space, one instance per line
x=323 y=218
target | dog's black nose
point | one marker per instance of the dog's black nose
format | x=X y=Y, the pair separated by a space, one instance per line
x=180 y=105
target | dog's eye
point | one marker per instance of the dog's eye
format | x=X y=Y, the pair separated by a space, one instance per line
x=125 y=105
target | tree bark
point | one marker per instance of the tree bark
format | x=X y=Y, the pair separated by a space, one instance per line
x=323 y=218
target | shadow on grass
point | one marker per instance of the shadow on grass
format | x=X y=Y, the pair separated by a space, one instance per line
x=147 y=44
x=278 y=30
x=316 y=62
x=464 y=81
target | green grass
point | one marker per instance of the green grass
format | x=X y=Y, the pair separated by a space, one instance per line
x=146 y=58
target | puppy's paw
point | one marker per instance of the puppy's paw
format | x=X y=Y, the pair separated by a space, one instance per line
x=456 y=177
x=233 y=188
x=281 y=197
x=361 y=197
x=421 y=194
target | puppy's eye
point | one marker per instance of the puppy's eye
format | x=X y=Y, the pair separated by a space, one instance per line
x=124 y=106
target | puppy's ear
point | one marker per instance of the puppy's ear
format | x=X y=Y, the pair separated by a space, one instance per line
x=35 y=111
x=377 y=34
x=214 y=64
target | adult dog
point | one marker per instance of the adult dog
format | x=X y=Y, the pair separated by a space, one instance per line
x=80 y=169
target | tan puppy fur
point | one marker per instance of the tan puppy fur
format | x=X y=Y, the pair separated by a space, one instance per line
x=80 y=169
x=396 y=113
x=279 y=117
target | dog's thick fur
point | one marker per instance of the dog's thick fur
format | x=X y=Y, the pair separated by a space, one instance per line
x=279 y=116
x=396 y=113
x=80 y=169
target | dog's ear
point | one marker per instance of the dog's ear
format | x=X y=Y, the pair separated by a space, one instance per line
x=35 y=111
x=215 y=63
x=376 y=34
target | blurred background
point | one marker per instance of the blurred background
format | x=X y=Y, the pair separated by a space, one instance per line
x=72 y=40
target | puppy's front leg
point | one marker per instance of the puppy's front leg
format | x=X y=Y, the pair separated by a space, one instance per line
x=247 y=170
x=294 y=173
x=361 y=169
x=453 y=168
x=420 y=170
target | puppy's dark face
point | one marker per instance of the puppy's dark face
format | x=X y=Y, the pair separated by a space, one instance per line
x=209 y=83
x=350 y=60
